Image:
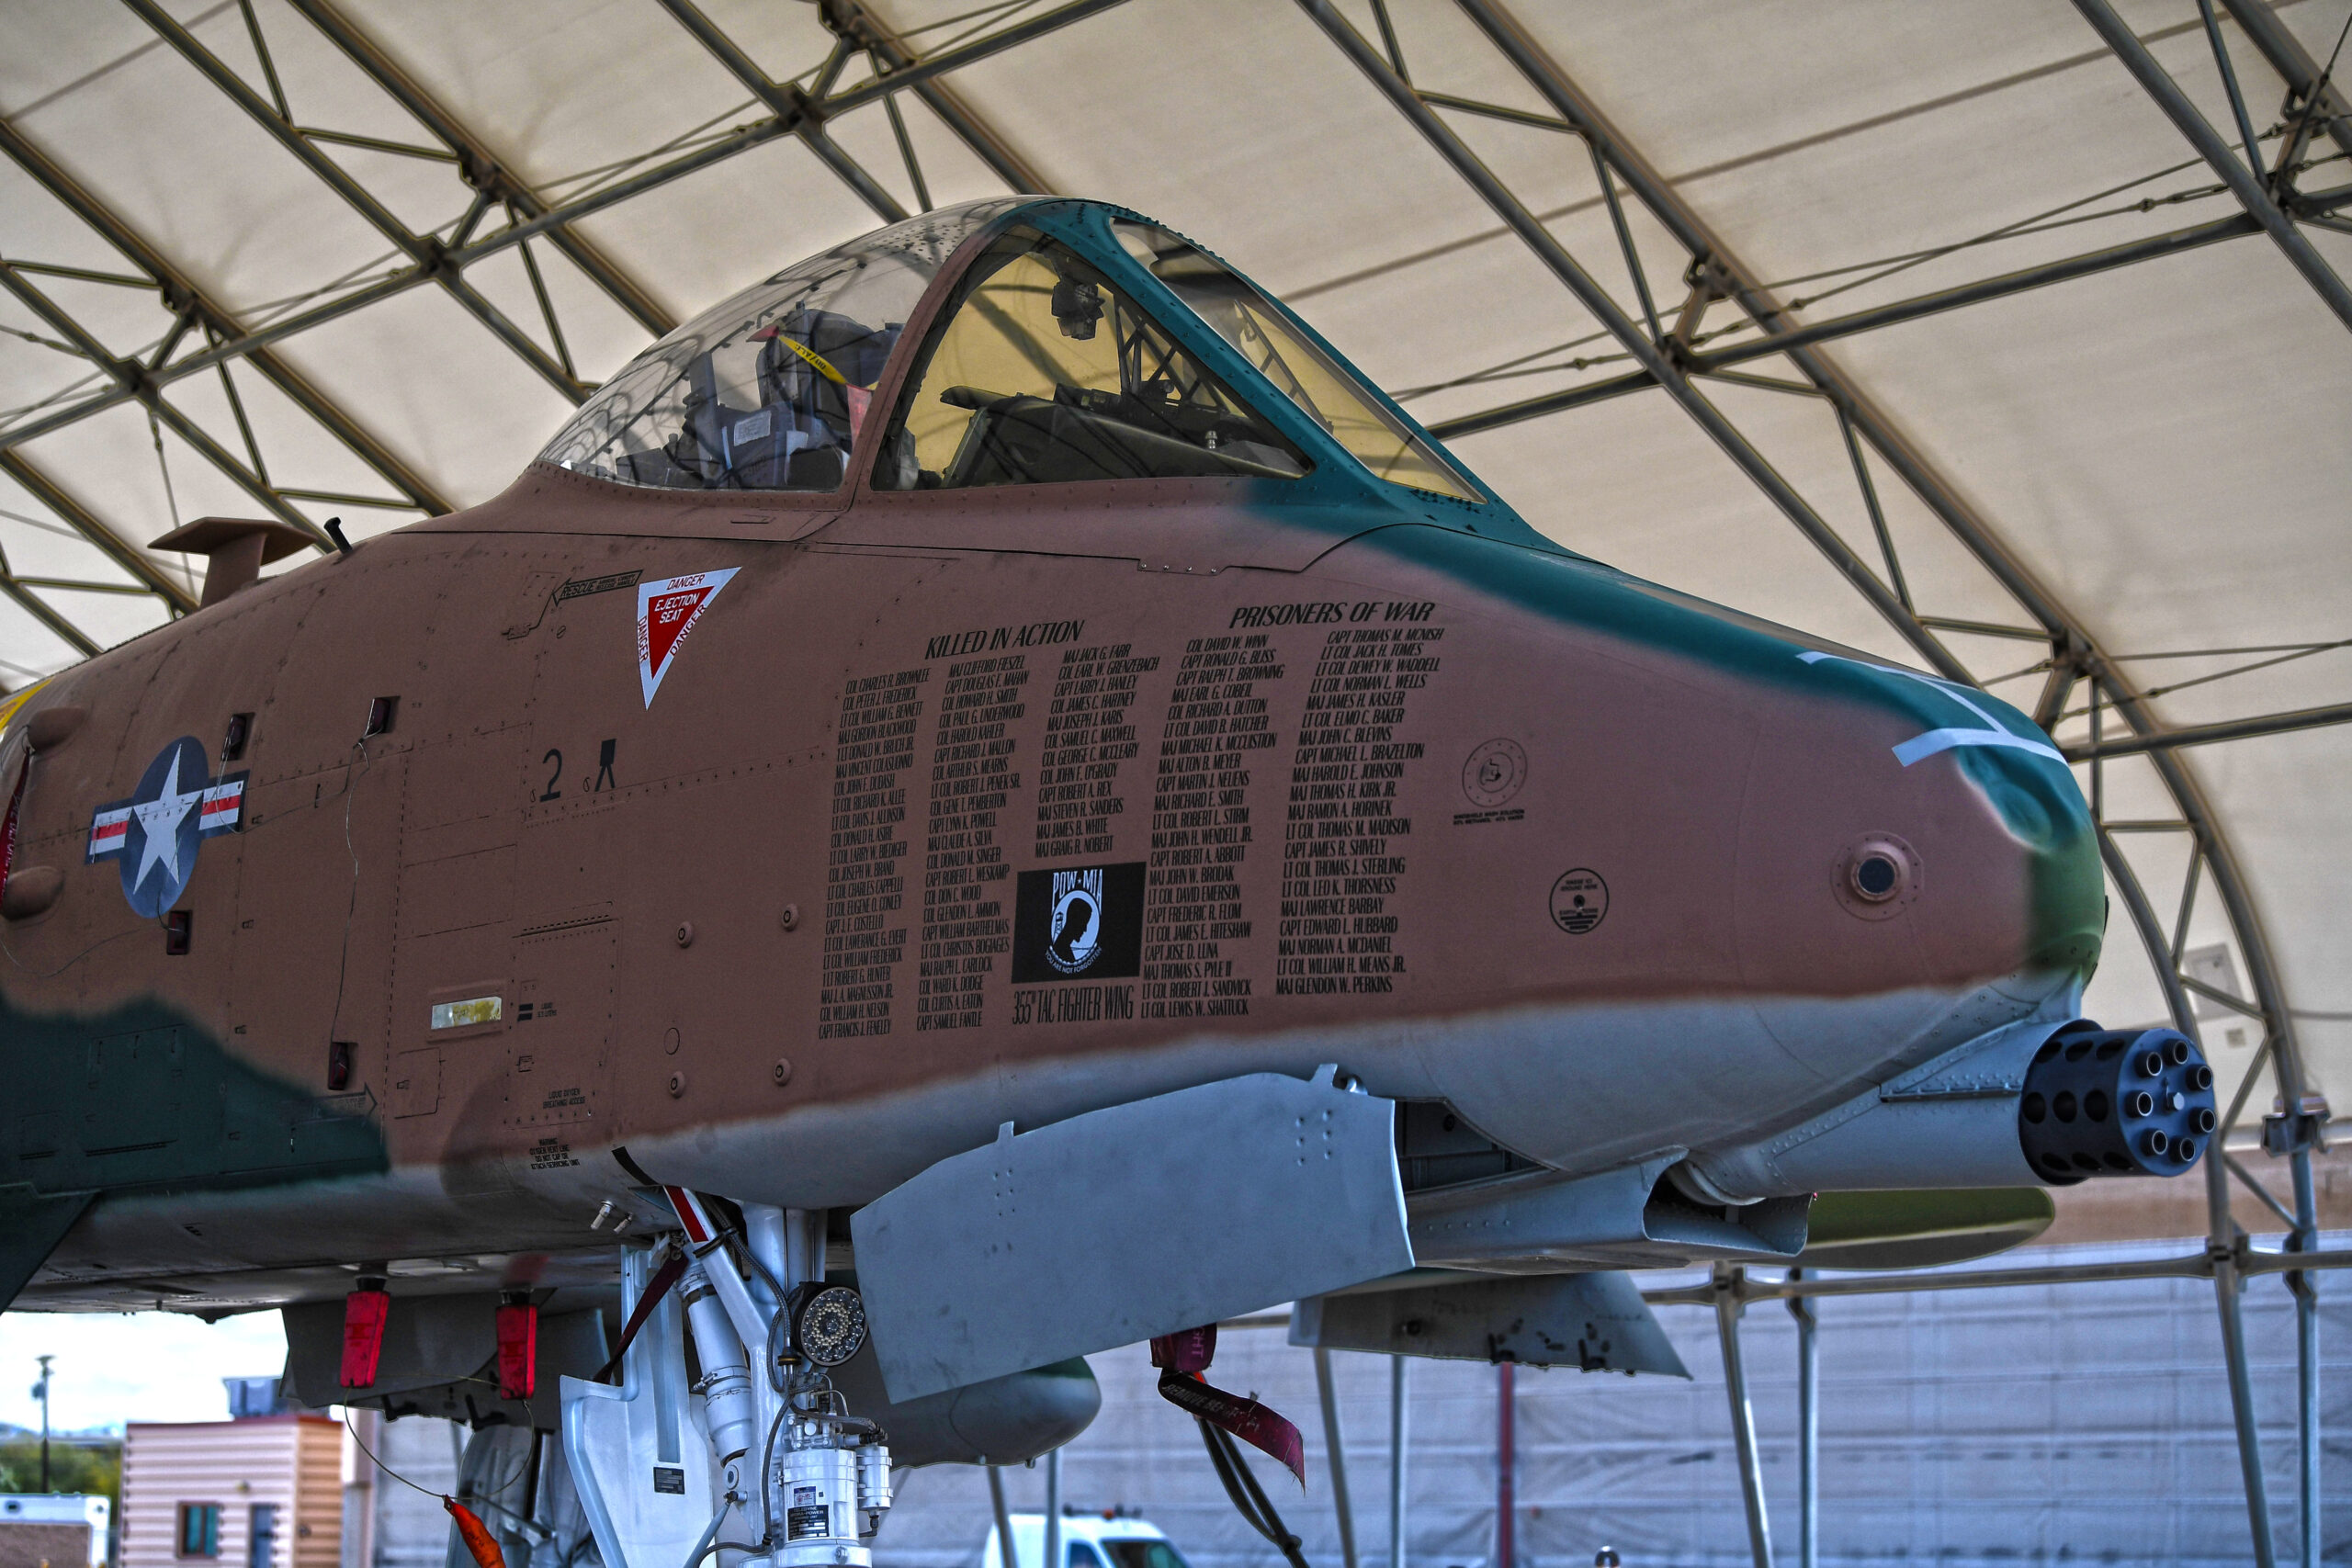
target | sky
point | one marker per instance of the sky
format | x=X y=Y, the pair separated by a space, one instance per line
x=145 y=1366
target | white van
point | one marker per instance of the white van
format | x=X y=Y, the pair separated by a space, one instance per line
x=1088 y=1541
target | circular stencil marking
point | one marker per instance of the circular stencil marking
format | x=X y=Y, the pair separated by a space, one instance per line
x=1579 y=900
x=1494 y=772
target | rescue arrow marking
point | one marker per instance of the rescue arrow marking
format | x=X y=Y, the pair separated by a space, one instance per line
x=1920 y=747
x=667 y=610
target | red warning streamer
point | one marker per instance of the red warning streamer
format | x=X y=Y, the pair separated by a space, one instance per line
x=1182 y=1358
x=479 y=1541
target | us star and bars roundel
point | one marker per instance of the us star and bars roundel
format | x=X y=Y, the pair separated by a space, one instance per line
x=667 y=610
x=155 y=833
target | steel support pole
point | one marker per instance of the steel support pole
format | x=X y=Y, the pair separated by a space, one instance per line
x=1006 y=1556
x=177 y=288
x=425 y=251
x=1725 y=1289
x=134 y=378
x=1054 y=1509
x=853 y=20
x=1808 y=1425
x=1396 y=1461
x=786 y=101
x=1653 y=359
x=1341 y=1507
x=2244 y=184
x=1894 y=313
x=2206 y=734
x=2305 y=1288
x=2288 y=58
x=2198 y=1265
x=2228 y=1288
x=124 y=554
x=2222 y=1233
x=481 y=168
x=58 y=626
x=927 y=69
x=1506 y=1464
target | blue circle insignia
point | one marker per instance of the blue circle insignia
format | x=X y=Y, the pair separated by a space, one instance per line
x=165 y=827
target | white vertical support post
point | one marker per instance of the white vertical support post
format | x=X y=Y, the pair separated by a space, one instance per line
x=1341 y=1505
x=764 y=1234
x=1054 y=1509
x=1396 y=1461
x=1006 y=1557
x=1728 y=1278
x=1808 y=1425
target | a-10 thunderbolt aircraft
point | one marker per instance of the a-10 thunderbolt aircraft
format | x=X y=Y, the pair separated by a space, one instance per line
x=992 y=787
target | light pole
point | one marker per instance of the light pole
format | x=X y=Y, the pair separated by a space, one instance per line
x=40 y=1392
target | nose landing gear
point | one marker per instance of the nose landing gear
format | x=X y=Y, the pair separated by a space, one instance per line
x=759 y=1456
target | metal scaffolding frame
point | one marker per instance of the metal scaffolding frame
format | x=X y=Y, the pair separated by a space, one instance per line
x=215 y=341
x=205 y=338
x=1667 y=360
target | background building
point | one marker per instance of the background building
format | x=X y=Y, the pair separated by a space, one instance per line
x=261 y=1492
x=53 y=1530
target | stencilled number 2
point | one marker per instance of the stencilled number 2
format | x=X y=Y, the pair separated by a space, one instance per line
x=602 y=782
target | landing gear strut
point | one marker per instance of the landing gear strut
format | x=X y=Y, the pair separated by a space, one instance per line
x=759 y=1456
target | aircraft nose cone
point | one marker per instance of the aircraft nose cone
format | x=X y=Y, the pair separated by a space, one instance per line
x=1958 y=850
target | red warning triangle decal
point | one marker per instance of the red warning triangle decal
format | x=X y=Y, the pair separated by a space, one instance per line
x=667 y=610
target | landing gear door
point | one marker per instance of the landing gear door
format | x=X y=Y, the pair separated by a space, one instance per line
x=639 y=1461
x=1123 y=1224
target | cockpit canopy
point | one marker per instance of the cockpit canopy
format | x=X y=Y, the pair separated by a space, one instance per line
x=1043 y=367
x=768 y=389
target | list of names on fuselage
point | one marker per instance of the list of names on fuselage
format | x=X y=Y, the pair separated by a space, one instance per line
x=971 y=773
x=1087 y=737
x=863 y=891
x=1341 y=863
x=1200 y=827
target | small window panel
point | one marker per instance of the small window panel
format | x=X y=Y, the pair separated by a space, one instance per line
x=199 y=1529
x=468 y=1012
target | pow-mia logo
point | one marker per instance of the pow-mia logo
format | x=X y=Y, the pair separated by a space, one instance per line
x=1083 y=923
x=1076 y=930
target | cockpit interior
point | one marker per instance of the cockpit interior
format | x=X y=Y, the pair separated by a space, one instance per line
x=1042 y=364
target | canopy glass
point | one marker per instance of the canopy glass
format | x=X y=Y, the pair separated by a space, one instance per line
x=768 y=389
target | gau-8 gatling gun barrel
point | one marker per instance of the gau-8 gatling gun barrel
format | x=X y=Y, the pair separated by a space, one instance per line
x=2115 y=1103
x=2053 y=1103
